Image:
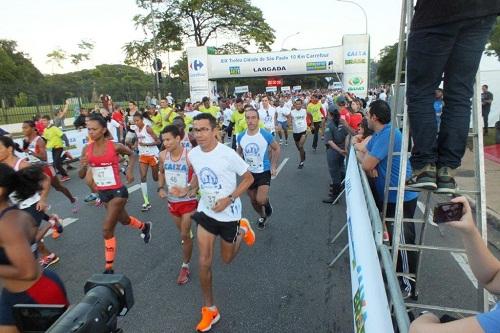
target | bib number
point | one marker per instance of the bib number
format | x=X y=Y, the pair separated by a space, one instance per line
x=177 y=179
x=103 y=176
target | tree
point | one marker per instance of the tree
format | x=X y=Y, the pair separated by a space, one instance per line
x=180 y=68
x=200 y=20
x=56 y=57
x=386 y=71
x=85 y=47
x=230 y=48
x=493 y=46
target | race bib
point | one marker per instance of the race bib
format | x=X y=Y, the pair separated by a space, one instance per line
x=103 y=176
x=253 y=161
x=177 y=179
x=300 y=123
x=210 y=197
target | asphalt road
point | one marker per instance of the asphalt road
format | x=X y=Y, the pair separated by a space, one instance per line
x=282 y=284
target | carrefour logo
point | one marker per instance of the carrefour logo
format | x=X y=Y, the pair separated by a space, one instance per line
x=196 y=65
x=356 y=81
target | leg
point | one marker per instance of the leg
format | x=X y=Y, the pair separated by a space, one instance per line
x=56 y=184
x=8 y=329
x=262 y=197
x=143 y=170
x=113 y=210
x=228 y=250
x=485 y=113
x=187 y=242
x=57 y=161
x=460 y=72
x=300 y=146
x=206 y=242
x=154 y=170
x=316 y=133
x=252 y=194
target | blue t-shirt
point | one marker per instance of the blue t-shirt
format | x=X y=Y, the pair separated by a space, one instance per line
x=256 y=150
x=378 y=147
x=490 y=321
x=438 y=106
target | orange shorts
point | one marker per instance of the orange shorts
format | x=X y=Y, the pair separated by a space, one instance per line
x=183 y=207
x=149 y=160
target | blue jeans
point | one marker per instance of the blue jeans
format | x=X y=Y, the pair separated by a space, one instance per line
x=450 y=52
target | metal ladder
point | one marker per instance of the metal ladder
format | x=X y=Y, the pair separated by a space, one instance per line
x=399 y=119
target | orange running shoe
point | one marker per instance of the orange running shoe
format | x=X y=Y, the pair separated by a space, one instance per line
x=249 y=237
x=208 y=318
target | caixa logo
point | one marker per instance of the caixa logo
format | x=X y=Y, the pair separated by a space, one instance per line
x=196 y=65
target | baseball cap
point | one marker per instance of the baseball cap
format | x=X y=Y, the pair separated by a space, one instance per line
x=340 y=100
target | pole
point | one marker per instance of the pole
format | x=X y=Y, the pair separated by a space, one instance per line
x=155 y=50
x=362 y=9
x=284 y=40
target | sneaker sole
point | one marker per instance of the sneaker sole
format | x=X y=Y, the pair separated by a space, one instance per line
x=214 y=321
x=53 y=262
x=426 y=186
x=444 y=190
x=150 y=234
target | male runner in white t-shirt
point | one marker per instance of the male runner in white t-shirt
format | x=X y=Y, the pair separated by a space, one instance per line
x=298 y=117
x=282 y=113
x=267 y=113
x=219 y=210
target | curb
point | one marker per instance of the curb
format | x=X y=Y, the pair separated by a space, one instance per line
x=493 y=222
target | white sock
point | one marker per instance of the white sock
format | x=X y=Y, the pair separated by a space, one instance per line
x=144 y=190
x=212 y=308
x=184 y=265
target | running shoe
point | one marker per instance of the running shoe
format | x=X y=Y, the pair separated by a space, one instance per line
x=446 y=181
x=146 y=231
x=183 y=277
x=261 y=224
x=108 y=271
x=145 y=207
x=249 y=236
x=58 y=228
x=286 y=143
x=208 y=318
x=76 y=207
x=424 y=178
x=91 y=197
x=268 y=208
x=98 y=202
x=49 y=260
x=65 y=178
x=281 y=142
x=301 y=165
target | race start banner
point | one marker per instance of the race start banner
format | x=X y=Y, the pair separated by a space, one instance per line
x=369 y=299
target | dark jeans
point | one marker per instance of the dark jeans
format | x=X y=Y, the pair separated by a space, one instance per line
x=485 y=113
x=316 y=125
x=336 y=167
x=453 y=49
x=57 y=161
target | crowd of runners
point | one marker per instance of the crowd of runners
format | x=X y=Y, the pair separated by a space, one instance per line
x=202 y=156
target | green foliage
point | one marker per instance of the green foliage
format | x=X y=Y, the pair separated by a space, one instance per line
x=493 y=46
x=21 y=99
x=180 y=68
x=386 y=70
x=56 y=57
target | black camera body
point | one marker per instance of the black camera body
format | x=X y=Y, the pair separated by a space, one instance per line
x=107 y=296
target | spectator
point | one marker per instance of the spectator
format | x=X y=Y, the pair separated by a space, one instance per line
x=486 y=99
x=170 y=99
x=445 y=43
x=486 y=268
x=79 y=121
x=382 y=96
x=374 y=162
x=60 y=115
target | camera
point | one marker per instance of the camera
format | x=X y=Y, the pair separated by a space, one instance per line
x=107 y=296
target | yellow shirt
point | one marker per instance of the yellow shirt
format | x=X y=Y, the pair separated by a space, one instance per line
x=157 y=123
x=164 y=113
x=315 y=110
x=213 y=110
x=240 y=123
x=53 y=135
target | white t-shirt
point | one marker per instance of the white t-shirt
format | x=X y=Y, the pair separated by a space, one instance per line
x=382 y=96
x=299 y=120
x=256 y=150
x=170 y=100
x=144 y=137
x=289 y=104
x=227 y=116
x=216 y=171
x=268 y=118
x=113 y=127
x=282 y=112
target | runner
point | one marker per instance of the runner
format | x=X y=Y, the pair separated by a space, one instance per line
x=188 y=141
x=176 y=172
x=22 y=280
x=167 y=112
x=219 y=209
x=253 y=146
x=315 y=109
x=36 y=204
x=147 y=143
x=298 y=117
x=130 y=136
x=54 y=135
x=282 y=113
x=237 y=120
x=226 y=114
x=35 y=147
x=268 y=115
x=207 y=107
x=102 y=156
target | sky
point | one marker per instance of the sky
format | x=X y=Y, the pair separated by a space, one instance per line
x=40 y=26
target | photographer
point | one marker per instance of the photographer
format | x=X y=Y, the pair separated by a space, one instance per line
x=20 y=274
x=486 y=269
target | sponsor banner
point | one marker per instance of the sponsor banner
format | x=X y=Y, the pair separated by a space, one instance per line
x=297 y=88
x=271 y=89
x=198 y=73
x=323 y=60
x=77 y=139
x=370 y=306
x=241 y=89
x=355 y=63
x=285 y=88
x=356 y=83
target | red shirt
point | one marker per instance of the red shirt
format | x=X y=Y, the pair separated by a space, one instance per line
x=118 y=117
x=39 y=127
x=105 y=168
x=354 y=120
x=344 y=114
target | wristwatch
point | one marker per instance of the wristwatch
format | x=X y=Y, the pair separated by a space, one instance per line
x=231 y=197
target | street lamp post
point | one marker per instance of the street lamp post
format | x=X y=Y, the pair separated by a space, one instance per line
x=362 y=9
x=155 y=50
x=284 y=40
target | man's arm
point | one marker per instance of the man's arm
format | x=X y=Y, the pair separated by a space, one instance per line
x=246 y=181
x=275 y=156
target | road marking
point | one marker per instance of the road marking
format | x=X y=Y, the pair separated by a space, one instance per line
x=65 y=222
x=282 y=164
x=133 y=188
x=461 y=259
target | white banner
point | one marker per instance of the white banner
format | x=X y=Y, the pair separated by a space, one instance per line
x=240 y=89
x=271 y=89
x=370 y=306
x=198 y=73
x=313 y=61
x=297 y=88
x=77 y=139
x=285 y=89
x=355 y=67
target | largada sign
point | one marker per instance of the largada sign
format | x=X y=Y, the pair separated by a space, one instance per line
x=350 y=59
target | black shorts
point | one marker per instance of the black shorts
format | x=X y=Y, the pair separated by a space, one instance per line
x=298 y=136
x=260 y=179
x=228 y=231
x=108 y=195
x=37 y=215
